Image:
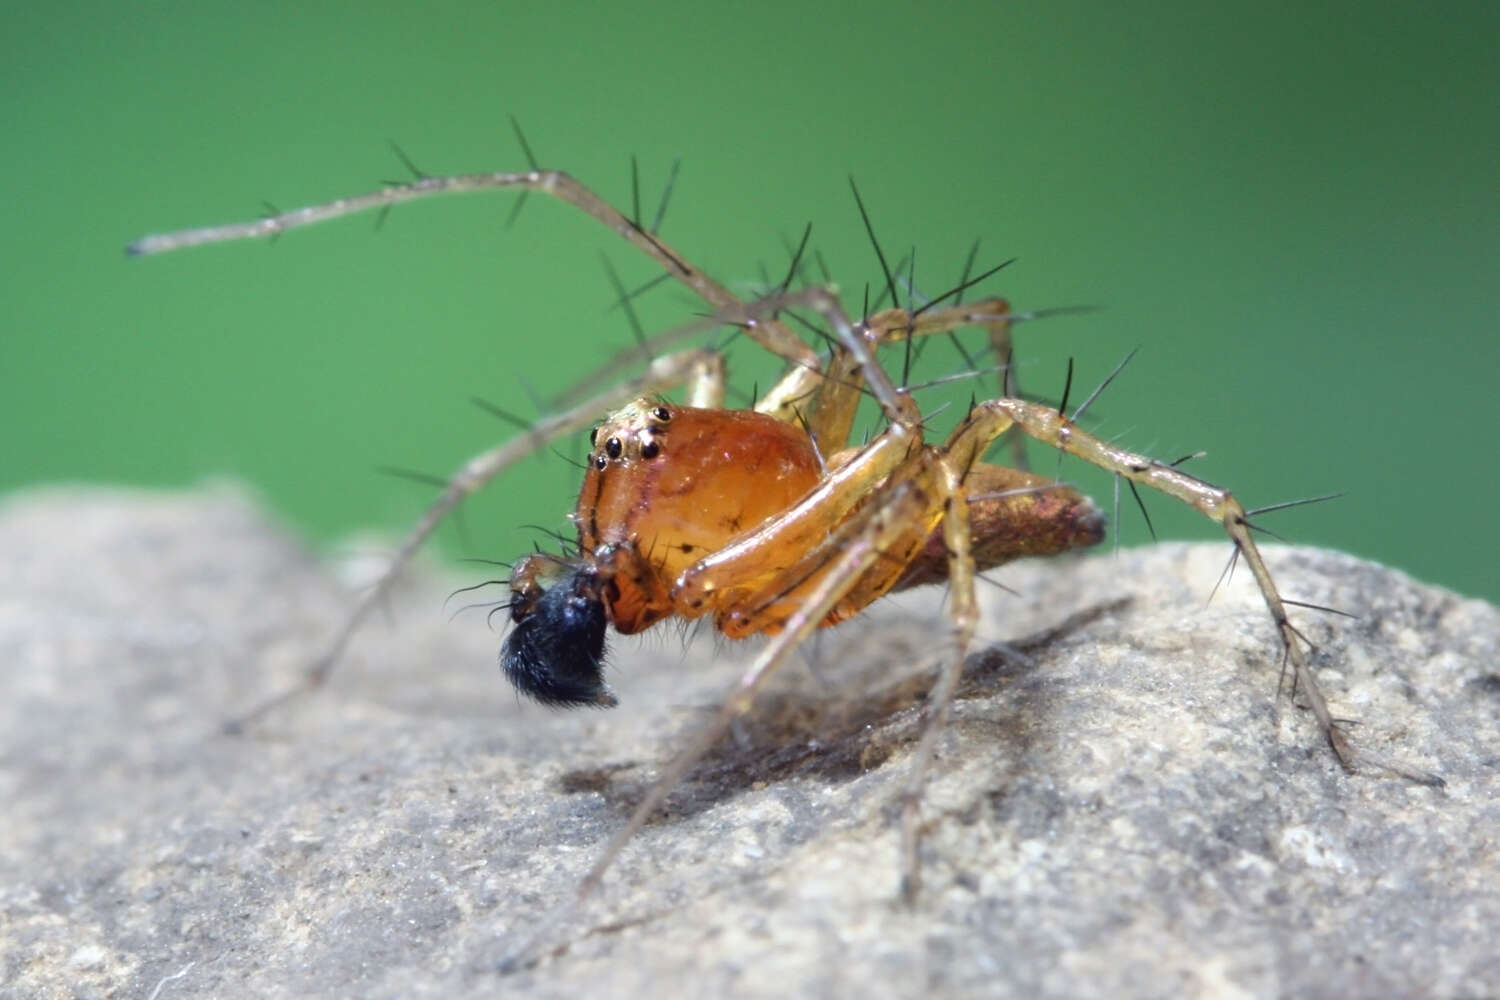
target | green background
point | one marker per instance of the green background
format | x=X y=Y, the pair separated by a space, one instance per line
x=1293 y=212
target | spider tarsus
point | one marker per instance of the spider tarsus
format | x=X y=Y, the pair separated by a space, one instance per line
x=1356 y=758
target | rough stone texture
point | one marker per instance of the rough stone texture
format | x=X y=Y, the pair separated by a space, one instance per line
x=1122 y=808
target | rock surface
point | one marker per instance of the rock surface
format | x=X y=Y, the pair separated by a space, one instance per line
x=1122 y=806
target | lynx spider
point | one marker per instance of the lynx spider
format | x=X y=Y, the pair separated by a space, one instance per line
x=907 y=480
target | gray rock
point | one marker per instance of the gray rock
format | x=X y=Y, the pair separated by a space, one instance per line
x=1122 y=807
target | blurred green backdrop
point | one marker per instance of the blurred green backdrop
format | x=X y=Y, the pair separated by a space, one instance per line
x=1294 y=213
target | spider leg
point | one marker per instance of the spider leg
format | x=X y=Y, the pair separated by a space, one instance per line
x=767 y=331
x=826 y=399
x=765 y=603
x=938 y=481
x=856 y=342
x=1010 y=383
x=702 y=370
x=990 y=419
x=964 y=619
x=759 y=556
x=875 y=530
x=994 y=315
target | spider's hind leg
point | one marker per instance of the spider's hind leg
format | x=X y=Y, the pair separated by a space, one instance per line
x=990 y=419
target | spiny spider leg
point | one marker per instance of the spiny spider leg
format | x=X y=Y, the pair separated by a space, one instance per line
x=864 y=540
x=792 y=571
x=767 y=331
x=991 y=418
x=829 y=419
x=703 y=372
x=906 y=484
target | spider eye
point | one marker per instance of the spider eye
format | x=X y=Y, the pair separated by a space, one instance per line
x=600 y=462
x=662 y=413
x=593 y=435
x=650 y=449
x=613 y=448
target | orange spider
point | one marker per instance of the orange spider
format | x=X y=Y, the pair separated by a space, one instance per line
x=695 y=510
x=687 y=511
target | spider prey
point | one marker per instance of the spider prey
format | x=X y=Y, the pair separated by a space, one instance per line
x=767 y=519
